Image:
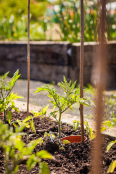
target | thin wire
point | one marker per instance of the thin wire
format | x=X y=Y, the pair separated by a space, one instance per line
x=28 y=58
x=81 y=70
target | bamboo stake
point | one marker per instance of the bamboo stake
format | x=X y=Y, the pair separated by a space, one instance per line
x=81 y=70
x=28 y=59
x=100 y=85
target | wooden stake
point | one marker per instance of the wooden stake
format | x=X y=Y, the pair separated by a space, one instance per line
x=81 y=70
x=100 y=85
x=28 y=59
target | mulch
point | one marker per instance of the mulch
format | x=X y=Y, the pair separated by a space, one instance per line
x=74 y=158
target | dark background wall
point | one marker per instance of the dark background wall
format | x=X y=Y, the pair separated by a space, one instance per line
x=51 y=60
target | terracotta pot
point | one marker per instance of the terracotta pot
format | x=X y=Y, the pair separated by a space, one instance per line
x=74 y=138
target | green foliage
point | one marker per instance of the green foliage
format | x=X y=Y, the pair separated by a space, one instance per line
x=67 y=16
x=110 y=145
x=66 y=142
x=27 y=122
x=13 y=19
x=41 y=113
x=63 y=102
x=44 y=168
x=75 y=124
x=112 y=167
x=6 y=97
x=18 y=8
x=16 y=151
x=89 y=131
x=113 y=163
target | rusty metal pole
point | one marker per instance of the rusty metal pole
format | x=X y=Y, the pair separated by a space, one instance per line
x=81 y=70
x=100 y=74
x=28 y=58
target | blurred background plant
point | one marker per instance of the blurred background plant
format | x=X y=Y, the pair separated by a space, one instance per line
x=53 y=20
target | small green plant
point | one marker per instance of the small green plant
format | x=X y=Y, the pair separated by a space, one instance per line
x=6 y=97
x=28 y=122
x=41 y=113
x=16 y=151
x=75 y=124
x=89 y=131
x=113 y=163
x=63 y=102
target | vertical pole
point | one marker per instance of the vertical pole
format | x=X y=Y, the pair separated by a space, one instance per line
x=28 y=59
x=81 y=70
x=100 y=85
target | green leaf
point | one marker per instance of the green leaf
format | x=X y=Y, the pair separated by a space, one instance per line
x=92 y=135
x=45 y=134
x=31 y=162
x=110 y=145
x=19 y=144
x=44 y=154
x=33 y=144
x=65 y=80
x=32 y=126
x=44 y=168
x=66 y=142
x=44 y=110
x=9 y=116
x=114 y=96
x=27 y=119
x=75 y=124
x=103 y=129
x=16 y=169
x=84 y=102
x=107 y=123
x=53 y=114
x=112 y=167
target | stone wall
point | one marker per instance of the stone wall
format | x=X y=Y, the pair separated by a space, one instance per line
x=51 y=60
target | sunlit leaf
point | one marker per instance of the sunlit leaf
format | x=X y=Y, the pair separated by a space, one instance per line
x=103 y=129
x=75 y=124
x=32 y=126
x=66 y=142
x=44 y=154
x=31 y=162
x=110 y=145
x=112 y=167
x=44 y=168
x=44 y=110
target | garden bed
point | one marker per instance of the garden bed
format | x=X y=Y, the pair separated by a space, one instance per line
x=73 y=158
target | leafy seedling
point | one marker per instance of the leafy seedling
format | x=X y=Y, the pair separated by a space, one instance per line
x=6 y=97
x=17 y=152
x=71 y=95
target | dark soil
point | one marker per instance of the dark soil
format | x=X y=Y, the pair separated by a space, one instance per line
x=73 y=158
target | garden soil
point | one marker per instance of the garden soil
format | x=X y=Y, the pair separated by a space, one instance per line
x=72 y=158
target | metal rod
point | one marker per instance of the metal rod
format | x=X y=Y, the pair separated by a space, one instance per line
x=28 y=59
x=100 y=74
x=81 y=70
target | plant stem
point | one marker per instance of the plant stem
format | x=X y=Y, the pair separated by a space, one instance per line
x=4 y=116
x=59 y=125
